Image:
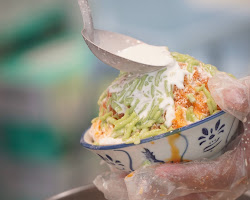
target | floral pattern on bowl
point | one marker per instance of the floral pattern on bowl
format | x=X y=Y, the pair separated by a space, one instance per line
x=203 y=139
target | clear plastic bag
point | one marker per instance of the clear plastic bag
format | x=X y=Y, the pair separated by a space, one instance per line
x=112 y=184
x=226 y=177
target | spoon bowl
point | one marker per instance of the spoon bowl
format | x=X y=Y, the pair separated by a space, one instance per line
x=106 y=45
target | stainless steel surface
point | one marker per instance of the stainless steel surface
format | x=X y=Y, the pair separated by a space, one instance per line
x=105 y=44
x=90 y=192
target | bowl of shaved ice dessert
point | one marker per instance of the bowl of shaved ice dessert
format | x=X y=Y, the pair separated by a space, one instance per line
x=162 y=116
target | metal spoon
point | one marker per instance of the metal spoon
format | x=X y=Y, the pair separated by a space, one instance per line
x=105 y=44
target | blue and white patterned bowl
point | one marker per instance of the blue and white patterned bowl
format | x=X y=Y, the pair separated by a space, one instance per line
x=203 y=139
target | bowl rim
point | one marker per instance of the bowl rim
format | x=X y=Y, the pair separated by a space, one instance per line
x=157 y=137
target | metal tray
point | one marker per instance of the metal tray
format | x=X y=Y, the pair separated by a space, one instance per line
x=90 y=192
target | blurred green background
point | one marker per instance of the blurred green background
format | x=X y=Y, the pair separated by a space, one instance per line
x=50 y=81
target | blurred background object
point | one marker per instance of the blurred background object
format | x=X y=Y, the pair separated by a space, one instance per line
x=50 y=81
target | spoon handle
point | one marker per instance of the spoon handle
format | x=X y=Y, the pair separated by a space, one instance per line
x=87 y=18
